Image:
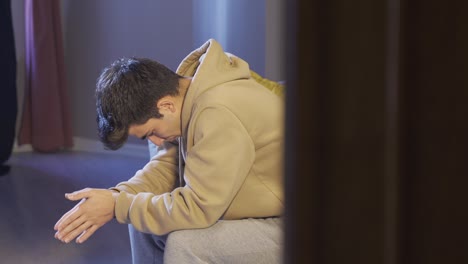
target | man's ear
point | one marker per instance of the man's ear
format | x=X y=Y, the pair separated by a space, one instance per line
x=166 y=104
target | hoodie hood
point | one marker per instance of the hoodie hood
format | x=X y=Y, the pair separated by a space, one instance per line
x=209 y=66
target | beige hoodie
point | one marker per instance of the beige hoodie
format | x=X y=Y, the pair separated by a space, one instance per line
x=231 y=145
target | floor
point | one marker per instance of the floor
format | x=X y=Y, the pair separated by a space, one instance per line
x=32 y=200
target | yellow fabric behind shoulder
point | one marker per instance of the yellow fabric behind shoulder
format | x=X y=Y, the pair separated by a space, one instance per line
x=273 y=86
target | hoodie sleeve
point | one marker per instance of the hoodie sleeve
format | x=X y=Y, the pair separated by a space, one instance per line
x=160 y=175
x=216 y=167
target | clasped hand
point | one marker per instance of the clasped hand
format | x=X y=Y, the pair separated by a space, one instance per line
x=95 y=209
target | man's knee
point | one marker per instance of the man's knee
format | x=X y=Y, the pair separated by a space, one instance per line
x=181 y=238
x=239 y=241
x=181 y=247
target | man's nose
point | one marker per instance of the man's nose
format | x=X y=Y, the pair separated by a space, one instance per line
x=156 y=140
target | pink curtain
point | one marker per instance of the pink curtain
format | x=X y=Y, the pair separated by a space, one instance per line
x=46 y=123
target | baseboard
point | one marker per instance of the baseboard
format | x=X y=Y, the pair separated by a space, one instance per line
x=95 y=146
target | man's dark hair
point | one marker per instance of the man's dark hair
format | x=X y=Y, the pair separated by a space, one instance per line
x=126 y=95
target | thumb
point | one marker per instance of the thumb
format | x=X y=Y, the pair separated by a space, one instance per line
x=78 y=195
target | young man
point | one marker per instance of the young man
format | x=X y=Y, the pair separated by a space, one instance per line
x=214 y=190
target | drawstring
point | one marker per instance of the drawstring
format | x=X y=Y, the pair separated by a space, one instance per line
x=181 y=163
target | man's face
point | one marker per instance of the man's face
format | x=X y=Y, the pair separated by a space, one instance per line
x=157 y=130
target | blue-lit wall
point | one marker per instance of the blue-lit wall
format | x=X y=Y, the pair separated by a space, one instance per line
x=97 y=32
x=238 y=25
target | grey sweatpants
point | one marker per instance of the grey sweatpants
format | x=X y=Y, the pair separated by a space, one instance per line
x=228 y=241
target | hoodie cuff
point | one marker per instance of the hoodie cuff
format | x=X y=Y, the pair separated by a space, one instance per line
x=122 y=207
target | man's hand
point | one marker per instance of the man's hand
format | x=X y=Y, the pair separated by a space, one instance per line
x=95 y=209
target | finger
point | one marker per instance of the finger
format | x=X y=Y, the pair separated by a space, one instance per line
x=78 y=195
x=71 y=215
x=86 y=234
x=61 y=234
x=76 y=232
x=68 y=217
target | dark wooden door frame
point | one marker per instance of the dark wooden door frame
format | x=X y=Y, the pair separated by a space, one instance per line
x=376 y=131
